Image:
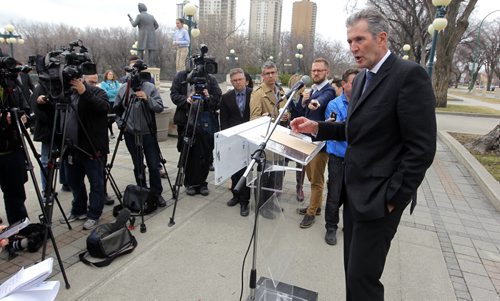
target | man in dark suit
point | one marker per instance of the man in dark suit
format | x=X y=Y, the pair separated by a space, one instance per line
x=234 y=110
x=391 y=135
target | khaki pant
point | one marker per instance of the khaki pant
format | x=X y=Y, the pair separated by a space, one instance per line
x=315 y=171
x=180 y=59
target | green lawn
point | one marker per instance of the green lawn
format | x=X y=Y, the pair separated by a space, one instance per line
x=469 y=109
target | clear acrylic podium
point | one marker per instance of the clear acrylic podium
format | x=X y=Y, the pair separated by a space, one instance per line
x=275 y=244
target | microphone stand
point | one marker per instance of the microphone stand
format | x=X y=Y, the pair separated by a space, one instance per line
x=258 y=158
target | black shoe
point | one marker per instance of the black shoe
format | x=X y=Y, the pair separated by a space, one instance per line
x=65 y=187
x=204 y=190
x=303 y=211
x=331 y=236
x=190 y=190
x=161 y=201
x=244 y=211
x=108 y=200
x=307 y=221
x=233 y=202
x=266 y=213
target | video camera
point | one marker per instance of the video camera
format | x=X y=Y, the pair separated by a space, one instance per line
x=57 y=68
x=203 y=66
x=137 y=76
x=9 y=70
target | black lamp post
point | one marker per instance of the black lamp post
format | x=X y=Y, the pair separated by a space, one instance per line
x=231 y=58
x=299 y=56
x=189 y=12
x=437 y=25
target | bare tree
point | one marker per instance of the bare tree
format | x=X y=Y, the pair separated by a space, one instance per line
x=408 y=21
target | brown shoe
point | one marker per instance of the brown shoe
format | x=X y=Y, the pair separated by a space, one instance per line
x=307 y=221
x=303 y=211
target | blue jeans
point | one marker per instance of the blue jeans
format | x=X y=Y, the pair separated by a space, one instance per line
x=94 y=169
x=150 y=150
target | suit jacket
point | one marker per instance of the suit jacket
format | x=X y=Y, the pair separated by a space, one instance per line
x=230 y=112
x=323 y=96
x=391 y=135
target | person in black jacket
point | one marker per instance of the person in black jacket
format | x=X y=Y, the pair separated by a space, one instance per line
x=88 y=145
x=13 y=173
x=234 y=110
x=391 y=141
x=200 y=155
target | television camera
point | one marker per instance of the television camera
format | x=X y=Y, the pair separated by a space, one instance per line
x=137 y=75
x=57 y=68
x=202 y=66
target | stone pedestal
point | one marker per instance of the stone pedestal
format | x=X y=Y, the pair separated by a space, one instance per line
x=155 y=74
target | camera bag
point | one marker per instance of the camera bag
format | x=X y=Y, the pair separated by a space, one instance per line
x=109 y=241
x=136 y=197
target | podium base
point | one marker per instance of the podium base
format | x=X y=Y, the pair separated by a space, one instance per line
x=266 y=291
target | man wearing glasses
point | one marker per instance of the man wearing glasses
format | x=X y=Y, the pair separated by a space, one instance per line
x=264 y=102
x=312 y=106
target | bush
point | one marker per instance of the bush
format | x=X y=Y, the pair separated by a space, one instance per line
x=284 y=78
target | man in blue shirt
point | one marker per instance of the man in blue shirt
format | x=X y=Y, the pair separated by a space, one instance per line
x=336 y=111
x=181 y=41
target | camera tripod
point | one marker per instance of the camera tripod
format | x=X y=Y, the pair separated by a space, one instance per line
x=139 y=150
x=46 y=202
x=188 y=139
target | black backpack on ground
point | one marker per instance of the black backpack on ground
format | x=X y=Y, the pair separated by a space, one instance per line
x=110 y=241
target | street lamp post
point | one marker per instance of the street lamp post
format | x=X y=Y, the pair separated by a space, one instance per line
x=299 y=56
x=406 y=49
x=476 y=53
x=287 y=65
x=231 y=58
x=10 y=38
x=189 y=12
x=437 y=25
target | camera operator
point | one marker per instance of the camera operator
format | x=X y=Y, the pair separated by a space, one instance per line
x=44 y=122
x=200 y=155
x=85 y=156
x=13 y=172
x=144 y=101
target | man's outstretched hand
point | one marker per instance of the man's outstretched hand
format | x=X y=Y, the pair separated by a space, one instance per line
x=304 y=125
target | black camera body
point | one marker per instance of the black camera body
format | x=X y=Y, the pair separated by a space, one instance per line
x=202 y=66
x=9 y=71
x=57 y=68
x=137 y=75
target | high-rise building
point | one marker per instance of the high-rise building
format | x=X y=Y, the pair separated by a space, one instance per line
x=265 y=21
x=217 y=16
x=304 y=23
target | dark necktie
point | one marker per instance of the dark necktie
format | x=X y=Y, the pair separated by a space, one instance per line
x=240 y=97
x=369 y=77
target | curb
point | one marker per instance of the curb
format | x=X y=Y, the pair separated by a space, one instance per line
x=469 y=114
x=484 y=179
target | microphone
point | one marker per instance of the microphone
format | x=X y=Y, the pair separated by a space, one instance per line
x=304 y=80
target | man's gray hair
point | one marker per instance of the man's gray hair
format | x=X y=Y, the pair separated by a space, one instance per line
x=267 y=65
x=377 y=23
x=236 y=71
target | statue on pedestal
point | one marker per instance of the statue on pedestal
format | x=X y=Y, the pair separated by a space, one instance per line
x=147 y=38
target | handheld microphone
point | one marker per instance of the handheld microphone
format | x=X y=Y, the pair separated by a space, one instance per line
x=304 y=80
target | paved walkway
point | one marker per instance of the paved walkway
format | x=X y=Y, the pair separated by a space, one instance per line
x=449 y=249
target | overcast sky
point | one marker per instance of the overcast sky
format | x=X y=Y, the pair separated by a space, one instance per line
x=109 y=13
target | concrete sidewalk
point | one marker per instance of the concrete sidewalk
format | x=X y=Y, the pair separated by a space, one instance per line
x=449 y=249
